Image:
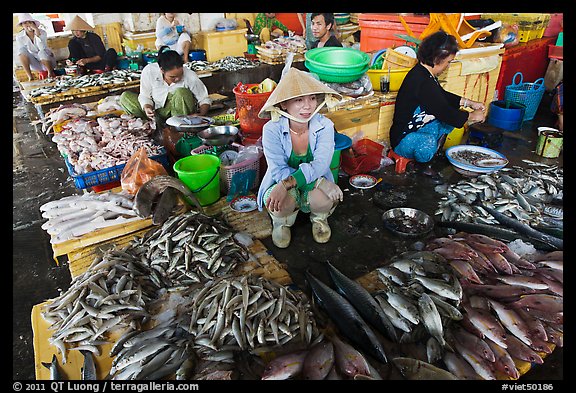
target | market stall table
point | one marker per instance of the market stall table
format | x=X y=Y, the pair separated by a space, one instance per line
x=43 y=104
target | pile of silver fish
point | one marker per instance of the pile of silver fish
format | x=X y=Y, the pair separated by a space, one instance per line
x=228 y=63
x=68 y=82
x=512 y=308
x=521 y=193
x=188 y=248
x=247 y=312
x=213 y=324
x=151 y=354
x=75 y=215
x=421 y=294
x=111 y=294
x=91 y=145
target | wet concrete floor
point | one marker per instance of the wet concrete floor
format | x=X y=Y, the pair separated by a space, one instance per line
x=359 y=242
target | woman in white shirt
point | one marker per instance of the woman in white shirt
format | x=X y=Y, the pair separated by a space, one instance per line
x=167 y=33
x=167 y=89
x=32 y=44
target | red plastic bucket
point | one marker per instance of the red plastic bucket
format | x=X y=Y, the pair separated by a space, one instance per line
x=247 y=107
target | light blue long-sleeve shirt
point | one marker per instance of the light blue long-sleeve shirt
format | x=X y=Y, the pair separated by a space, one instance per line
x=277 y=145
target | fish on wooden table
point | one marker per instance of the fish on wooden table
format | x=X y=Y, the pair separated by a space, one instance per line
x=319 y=361
x=55 y=372
x=348 y=360
x=485 y=322
x=540 y=301
x=285 y=366
x=413 y=369
x=503 y=361
x=518 y=350
x=88 y=370
x=459 y=367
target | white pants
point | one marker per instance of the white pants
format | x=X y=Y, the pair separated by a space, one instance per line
x=37 y=58
x=179 y=45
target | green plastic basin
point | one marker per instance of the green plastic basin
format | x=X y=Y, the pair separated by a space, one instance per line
x=338 y=65
x=330 y=59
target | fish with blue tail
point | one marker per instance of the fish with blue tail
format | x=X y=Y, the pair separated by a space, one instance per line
x=88 y=370
x=55 y=374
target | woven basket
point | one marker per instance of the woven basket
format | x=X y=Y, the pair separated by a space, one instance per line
x=396 y=60
x=227 y=171
x=527 y=94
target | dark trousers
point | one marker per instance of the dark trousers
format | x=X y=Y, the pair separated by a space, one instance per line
x=110 y=57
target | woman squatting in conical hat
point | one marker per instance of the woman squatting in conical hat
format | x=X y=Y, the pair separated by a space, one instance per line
x=298 y=145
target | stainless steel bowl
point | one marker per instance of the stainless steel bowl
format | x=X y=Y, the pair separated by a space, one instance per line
x=189 y=123
x=407 y=222
x=218 y=135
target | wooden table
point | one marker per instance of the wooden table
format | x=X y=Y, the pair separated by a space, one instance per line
x=82 y=95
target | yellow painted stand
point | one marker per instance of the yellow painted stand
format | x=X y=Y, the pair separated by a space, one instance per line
x=261 y=264
x=98 y=236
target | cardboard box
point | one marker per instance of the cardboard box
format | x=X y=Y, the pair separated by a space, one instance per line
x=349 y=122
x=219 y=44
x=479 y=87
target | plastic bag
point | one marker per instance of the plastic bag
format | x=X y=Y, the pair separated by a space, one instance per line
x=251 y=152
x=225 y=24
x=507 y=34
x=138 y=170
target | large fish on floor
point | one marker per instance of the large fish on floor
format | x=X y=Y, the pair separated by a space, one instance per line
x=346 y=318
x=364 y=302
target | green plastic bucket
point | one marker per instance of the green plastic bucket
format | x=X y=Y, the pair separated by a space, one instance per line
x=200 y=174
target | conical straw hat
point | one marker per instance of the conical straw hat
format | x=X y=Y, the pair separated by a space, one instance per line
x=79 y=24
x=296 y=83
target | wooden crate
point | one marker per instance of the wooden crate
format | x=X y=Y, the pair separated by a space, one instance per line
x=385 y=121
x=219 y=44
x=111 y=35
x=350 y=121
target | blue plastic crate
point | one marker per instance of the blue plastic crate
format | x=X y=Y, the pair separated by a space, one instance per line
x=108 y=175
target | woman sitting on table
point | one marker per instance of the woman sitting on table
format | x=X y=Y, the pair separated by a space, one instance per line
x=32 y=44
x=268 y=27
x=172 y=33
x=87 y=49
x=298 y=146
x=167 y=89
x=424 y=112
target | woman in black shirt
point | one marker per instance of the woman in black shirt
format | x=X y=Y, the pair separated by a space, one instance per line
x=87 y=49
x=424 y=112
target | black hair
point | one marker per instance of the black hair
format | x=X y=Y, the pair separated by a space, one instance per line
x=169 y=59
x=328 y=17
x=436 y=47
